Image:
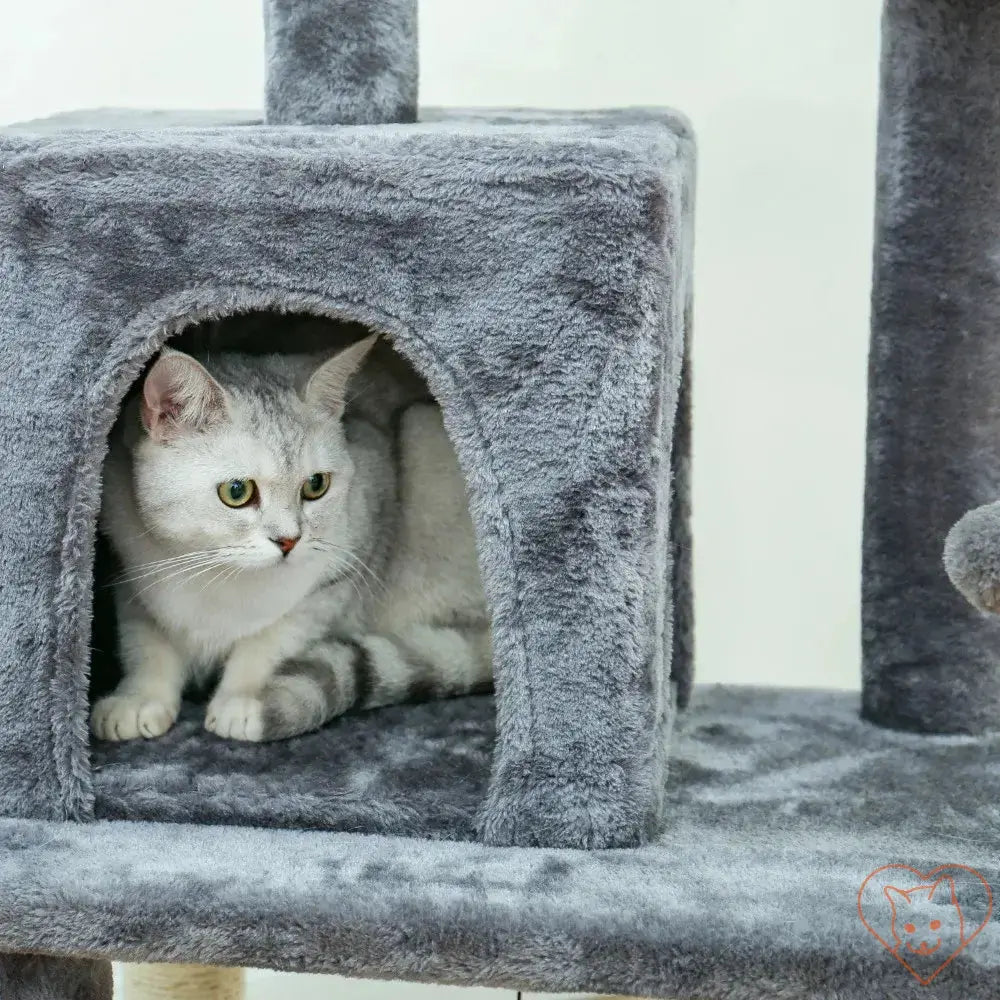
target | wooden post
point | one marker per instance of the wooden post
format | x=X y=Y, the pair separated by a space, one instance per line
x=182 y=982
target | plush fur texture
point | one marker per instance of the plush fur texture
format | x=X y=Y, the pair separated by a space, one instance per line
x=930 y=659
x=340 y=62
x=408 y=770
x=553 y=337
x=36 y=977
x=781 y=803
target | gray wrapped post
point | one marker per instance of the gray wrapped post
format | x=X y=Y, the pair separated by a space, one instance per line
x=931 y=659
x=340 y=62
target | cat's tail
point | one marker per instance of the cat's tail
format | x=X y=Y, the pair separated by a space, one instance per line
x=417 y=664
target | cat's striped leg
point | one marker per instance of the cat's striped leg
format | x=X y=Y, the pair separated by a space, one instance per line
x=338 y=674
x=307 y=690
x=422 y=662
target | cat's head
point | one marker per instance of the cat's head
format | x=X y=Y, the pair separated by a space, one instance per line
x=255 y=470
x=926 y=919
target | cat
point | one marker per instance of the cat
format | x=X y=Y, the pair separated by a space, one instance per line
x=927 y=922
x=319 y=550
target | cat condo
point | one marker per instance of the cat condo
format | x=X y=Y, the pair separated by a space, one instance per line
x=535 y=268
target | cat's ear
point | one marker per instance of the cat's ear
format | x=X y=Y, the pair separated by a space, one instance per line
x=896 y=896
x=328 y=385
x=179 y=396
x=943 y=891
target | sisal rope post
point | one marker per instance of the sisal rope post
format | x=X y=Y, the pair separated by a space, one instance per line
x=182 y=982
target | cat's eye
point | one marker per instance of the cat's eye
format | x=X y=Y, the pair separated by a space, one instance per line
x=316 y=485
x=935 y=924
x=237 y=492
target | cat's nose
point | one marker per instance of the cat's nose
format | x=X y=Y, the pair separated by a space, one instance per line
x=286 y=544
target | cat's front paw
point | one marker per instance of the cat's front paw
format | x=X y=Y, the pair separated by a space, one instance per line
x=236 y=717
x=131 y=717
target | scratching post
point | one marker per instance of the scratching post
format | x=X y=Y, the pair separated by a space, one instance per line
x=931 y=661
x=182 y=982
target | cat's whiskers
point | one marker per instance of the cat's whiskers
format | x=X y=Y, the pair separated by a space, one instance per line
x=225 y=562
x=161 y=573
x=357 y=590
x=227 y=573
x=355 y=562
x=202 y=572
x=216 y=577
x=178 y=558
x=219 y=557
x=369 y=586
x=362 y=587
x=172 y=576
x=155 y=566
x=350 y=577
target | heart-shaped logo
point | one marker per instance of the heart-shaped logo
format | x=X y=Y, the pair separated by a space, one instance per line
x=924 y=919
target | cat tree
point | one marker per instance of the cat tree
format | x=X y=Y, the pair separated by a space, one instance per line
x=535 y=266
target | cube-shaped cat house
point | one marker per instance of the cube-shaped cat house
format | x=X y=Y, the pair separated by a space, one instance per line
x=536 y=269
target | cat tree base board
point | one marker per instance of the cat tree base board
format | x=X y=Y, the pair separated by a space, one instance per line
x=780 y=802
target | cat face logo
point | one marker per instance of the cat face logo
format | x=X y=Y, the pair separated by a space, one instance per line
x=924 y=921
x=924 y=917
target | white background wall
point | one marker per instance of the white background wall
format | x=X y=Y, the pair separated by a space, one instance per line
x=783 y=95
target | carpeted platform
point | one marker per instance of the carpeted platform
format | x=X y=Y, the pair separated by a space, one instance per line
x=780 y=803
x=409 y=771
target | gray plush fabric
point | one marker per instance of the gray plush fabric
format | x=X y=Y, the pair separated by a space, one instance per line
x=340 y=62
x=36 y=977
x=531 y=265
x=930 y=659
x=780 y=803
x=408 y=770
x=681 y=536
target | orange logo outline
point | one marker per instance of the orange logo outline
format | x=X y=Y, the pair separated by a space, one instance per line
x=924 y=878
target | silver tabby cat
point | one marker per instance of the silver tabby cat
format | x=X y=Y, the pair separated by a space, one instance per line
x=319 y=551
